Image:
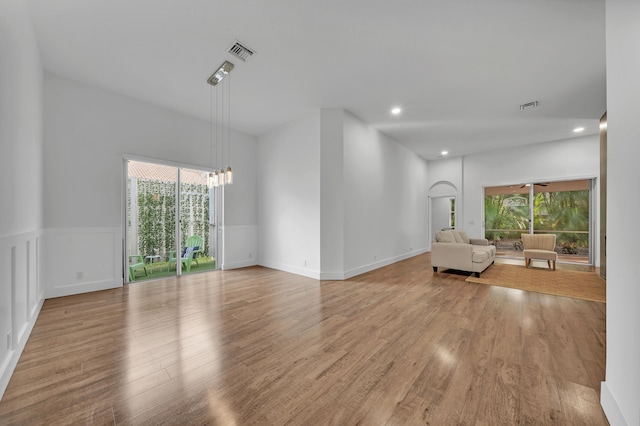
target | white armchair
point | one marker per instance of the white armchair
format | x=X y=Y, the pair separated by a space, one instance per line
x=539 y=246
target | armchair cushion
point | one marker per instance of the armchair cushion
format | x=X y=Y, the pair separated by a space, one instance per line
x=193 y=250
x=482 y=253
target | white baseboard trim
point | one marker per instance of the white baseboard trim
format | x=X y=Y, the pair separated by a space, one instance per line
x=240 y=264
x=6 y=370
x=381 y=263
x=332 y=276
x=340 y=276
x=79 y=288
x=291 y=269
x=610 y=407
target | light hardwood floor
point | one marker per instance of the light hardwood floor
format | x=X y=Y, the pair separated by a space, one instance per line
x=256 y=346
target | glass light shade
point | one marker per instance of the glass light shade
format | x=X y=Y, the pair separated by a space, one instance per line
x=229 y=175
x=222 y=177
x=210 y=180
x=216 y=179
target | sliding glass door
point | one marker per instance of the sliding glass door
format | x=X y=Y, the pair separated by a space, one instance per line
x=169 y=215
x=506 y=216
x=196 y=249
x=561 y=208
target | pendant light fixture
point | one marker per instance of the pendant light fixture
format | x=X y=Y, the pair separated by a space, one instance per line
x=222 y=109
x=229 y=173
x=220 y=177
x=210 y=176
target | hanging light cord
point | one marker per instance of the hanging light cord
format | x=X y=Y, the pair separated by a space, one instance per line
x=211 y=126
x=223 y=126
x=216 y=150
x=229 y=136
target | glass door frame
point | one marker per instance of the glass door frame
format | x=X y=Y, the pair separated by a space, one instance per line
x=215 y=203
x=531 y=228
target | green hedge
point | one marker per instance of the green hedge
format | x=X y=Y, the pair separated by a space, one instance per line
x=156 y=215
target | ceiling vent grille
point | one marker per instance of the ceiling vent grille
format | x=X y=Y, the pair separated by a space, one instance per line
x=241 y=51
x=528 y=105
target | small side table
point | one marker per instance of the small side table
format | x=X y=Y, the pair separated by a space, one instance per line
x=154 y=258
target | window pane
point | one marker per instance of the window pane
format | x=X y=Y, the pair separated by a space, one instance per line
x=561 y=208
x=566 y=214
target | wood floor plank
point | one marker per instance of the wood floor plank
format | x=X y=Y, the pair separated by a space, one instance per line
x=398 y=345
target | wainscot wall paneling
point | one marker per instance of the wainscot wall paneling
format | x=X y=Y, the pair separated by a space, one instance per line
x=21 y=297
x=80 y=260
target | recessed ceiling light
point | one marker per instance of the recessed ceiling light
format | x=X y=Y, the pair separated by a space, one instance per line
x=444 y=153
x=396 y=110
x=578 y=129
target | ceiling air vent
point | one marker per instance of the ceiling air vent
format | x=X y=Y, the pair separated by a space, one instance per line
x=528 y=105
x=241 y=51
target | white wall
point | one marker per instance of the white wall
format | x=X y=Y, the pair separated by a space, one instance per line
x=445 y=180
x=440 y=212
x=338 y=198
x=289 y=197
x=21 y=290
x=87 y=131
x=385 y=199
x=445 y=170
x=240 y=229
x=332 y=193
x=620 y=396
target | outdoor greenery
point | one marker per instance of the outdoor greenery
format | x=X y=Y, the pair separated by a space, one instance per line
x=507 y=216
x=156 y=216
x=161 y=270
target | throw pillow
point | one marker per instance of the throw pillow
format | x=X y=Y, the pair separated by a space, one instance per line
x=461 y=236
x=445 y=237
x=464 y=236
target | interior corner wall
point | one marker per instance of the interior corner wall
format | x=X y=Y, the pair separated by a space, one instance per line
x=21 y=289
x=240 y=229
x=87 y=130
x=289 y=197
x=331 y=194
x=385 y=199
x=620 y=392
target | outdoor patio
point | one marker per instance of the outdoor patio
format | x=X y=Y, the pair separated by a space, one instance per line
x=513 y=249
x=158 y=270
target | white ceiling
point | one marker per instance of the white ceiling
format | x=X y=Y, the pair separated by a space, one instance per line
x=459 y=69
